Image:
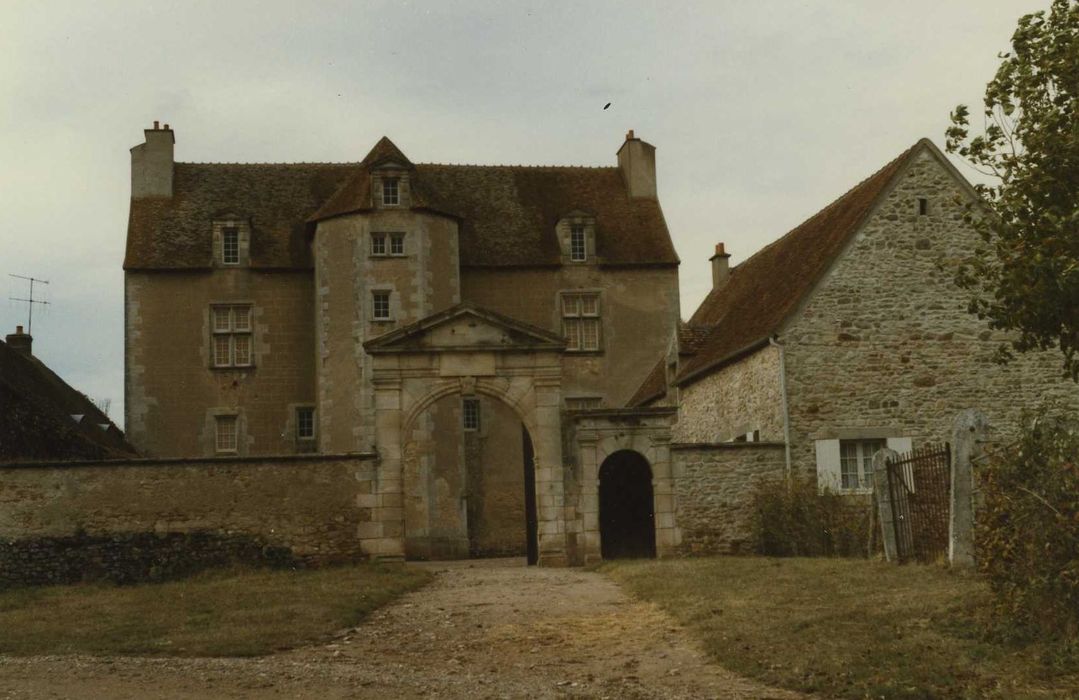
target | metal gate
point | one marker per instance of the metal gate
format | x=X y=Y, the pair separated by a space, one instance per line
x=919 y=486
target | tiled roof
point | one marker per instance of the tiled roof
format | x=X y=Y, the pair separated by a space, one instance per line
x=171 y=233
x=691 y=338
x=42 y=417
x=762 y=292
x=507 y=214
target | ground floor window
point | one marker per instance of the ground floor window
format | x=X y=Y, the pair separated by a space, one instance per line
x=471 y=414
x=226 y=436
x=856 y=462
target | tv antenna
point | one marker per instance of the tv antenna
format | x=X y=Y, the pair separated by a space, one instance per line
x=29 y=300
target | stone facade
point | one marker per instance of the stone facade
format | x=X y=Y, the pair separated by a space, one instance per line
x=712 y=487
x=173 y=391
x=884 y=346
x=308 y=510
x=740 y=398
x=331 y=260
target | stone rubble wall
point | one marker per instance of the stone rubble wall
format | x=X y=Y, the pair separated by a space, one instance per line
x=153 y=519
x=885 y=345
x=734 y=400
x=713 y=483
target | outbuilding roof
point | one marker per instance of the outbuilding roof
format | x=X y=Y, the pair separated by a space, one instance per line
x=43 y=417
x=763 y=292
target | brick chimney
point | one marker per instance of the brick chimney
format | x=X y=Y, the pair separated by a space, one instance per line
x=19 y=341
x=721 y=268
x=637 y=160
x=151 y=164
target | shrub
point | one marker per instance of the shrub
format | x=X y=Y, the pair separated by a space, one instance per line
x=1028 y=528
x=791 y=519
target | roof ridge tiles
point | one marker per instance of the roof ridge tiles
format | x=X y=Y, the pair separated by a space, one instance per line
x=515 y=165
x=281 y=164
x=831 y=205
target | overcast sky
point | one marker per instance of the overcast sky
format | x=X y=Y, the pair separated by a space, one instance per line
x=761 y=112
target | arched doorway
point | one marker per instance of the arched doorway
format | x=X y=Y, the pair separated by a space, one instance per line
x=627 y=524
x=468 y=479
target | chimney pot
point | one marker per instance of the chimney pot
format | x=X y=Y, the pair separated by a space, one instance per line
x=166 y=127
x=629 y=135
x=155 y=125
x=19 y=341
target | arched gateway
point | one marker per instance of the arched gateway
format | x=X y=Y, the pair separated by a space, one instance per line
x=470 y=352
x=627 y=516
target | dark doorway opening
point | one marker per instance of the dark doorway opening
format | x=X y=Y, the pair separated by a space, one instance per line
x=531 y=521
x=627 y=519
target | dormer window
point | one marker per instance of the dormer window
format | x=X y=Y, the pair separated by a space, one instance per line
x=578 y=251
x=390 y=191
x=231 y=241
x=576 y=232
x=230 y=246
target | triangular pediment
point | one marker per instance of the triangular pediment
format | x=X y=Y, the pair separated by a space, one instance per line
x=464 y=328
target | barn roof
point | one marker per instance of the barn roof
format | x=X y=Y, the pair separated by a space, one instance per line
x=765 y=290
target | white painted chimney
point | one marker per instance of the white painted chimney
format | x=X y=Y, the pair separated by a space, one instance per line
x=637 y=160
x=151 y=164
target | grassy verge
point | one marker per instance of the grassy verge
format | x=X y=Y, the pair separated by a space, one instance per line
x=851 y=628
x=229 y=613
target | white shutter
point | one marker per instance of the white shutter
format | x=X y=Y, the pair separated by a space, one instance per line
x=900 y=445
x=903 y=445
x=828 y=465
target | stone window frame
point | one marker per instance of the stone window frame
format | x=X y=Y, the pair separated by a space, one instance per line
x=223 y=419
x=299 y=413
x=230 y=245
x=387 y=244
x=375 y=294
x=219 y=227
x=231 y=334
x=565 y=228
x=567 y=318
x=391 y=191
x=471 y=414
x=578 y=243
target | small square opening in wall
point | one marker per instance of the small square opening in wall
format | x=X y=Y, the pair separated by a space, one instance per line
x=380 y=306
x=470 y=414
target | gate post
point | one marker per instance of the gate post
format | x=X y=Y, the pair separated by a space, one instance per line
x=970 y=430
x=884 y=501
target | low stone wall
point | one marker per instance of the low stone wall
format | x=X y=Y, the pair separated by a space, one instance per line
x=155 y=519
x=713 y=484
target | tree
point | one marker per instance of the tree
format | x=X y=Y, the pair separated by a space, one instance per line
x=1026 y=277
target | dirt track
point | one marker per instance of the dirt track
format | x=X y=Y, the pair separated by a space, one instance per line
x=493 y=629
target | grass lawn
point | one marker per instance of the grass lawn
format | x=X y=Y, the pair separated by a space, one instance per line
x=224 y=613
x=850 y=628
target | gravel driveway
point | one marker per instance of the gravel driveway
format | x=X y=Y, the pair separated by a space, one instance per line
x=482 y=629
